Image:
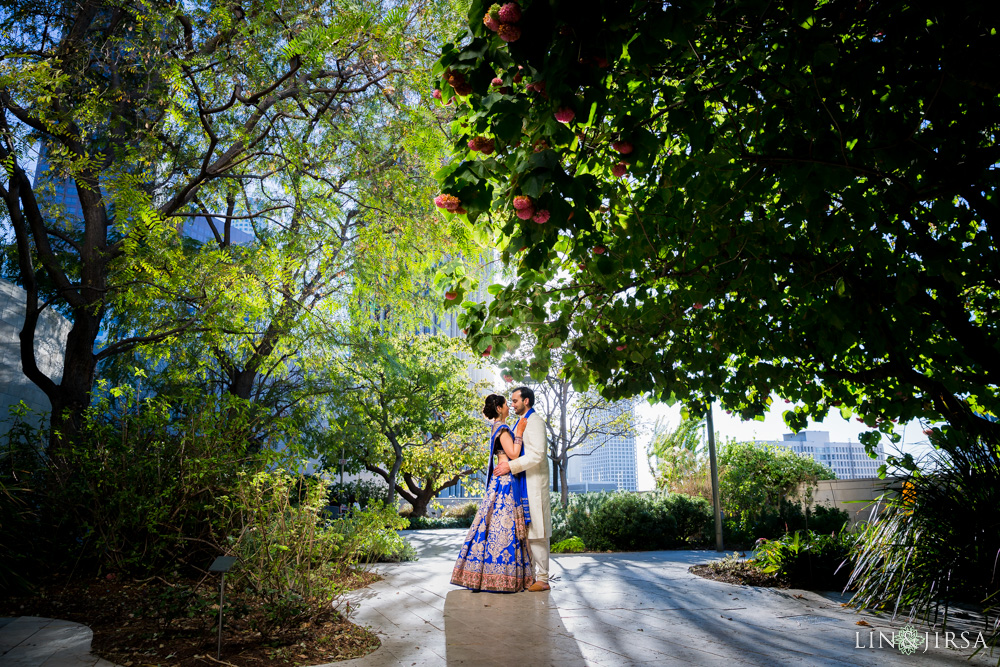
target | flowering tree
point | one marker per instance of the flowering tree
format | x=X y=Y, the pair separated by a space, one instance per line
x=739 y=199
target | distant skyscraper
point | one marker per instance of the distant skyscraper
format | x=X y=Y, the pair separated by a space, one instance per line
x=610 y=466
x=848 y=460
x=60 y=198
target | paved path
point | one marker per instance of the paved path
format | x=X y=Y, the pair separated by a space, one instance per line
x=43 y=642
x=614 y=609
x=603 y=609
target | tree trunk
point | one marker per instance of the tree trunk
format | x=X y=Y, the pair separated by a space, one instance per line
x=71 y=397
x=555 y=475
x=421 y=501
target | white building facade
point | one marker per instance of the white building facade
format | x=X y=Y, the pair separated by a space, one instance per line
x=848 y=460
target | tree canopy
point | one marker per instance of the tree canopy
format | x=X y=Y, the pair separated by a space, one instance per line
x=407 y=408
x=305 y=123
x=739 y=199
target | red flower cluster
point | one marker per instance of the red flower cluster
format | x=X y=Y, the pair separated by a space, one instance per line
x=619 y=169
x=502 y=19
x=541 y=216
x=522 y=202
x=482 y=145
x=449 y=203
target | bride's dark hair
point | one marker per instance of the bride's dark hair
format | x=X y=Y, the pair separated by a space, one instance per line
x=493 y=404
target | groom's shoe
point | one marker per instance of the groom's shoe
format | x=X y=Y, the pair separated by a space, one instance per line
x=538 y=586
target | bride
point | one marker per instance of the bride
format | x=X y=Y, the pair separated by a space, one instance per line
x=495 y=554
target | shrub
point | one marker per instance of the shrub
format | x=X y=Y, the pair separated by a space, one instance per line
x=939 y=542
x=571 y=545
x=823 y=519
x=806 y=559
x=360 y=491
x=757 y=481
x=463 y=511
x=630 y=522
x=695 y=523
x=426 y=522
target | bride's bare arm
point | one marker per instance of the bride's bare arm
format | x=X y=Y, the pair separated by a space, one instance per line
x=508 y=445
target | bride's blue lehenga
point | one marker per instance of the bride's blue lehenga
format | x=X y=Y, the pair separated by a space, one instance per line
x=495 y=554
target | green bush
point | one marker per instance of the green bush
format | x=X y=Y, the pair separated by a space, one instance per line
x=759 y=486
x=569 y=546
x=360 y=491
x=807 y=559
x=624 y=520
x=426 y=522
x=630 y=522
x=165 y=485
x=823 y=519
x=693 y=514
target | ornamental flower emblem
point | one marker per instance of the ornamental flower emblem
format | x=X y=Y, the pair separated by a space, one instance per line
x=908 y=640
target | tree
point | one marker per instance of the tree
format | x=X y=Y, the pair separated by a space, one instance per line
x=739 y=199
x=678 y=460
x=155 y=113
x=576 y=423
x=407 y=408
x=759 y=477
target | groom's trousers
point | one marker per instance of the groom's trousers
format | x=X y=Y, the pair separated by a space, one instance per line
x=539 y=550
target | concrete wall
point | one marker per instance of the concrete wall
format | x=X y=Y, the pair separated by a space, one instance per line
x=854 y=496
x=50 y=345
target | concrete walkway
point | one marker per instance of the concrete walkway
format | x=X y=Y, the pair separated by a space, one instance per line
x=617 y=609
x=43 y=642
x=603 y=609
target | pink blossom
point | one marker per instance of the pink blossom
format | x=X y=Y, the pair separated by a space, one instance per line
x=542 y=216
x=510 y=13
x=619 y=169
x=509 y=33
x=447 y=202
x=436 y=94
x=525 y=213
x=522 y=202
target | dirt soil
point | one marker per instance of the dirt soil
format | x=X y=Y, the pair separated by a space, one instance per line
x=742 y=574
x=127 y=633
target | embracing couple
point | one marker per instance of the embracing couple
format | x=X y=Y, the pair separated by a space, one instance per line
x=507 y=547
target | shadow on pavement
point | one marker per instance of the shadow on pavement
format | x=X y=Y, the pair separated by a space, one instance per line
x=496 y=628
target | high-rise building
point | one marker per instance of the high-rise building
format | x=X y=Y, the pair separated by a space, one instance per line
x=605 y=463
x=59 y=197
x=848 y=460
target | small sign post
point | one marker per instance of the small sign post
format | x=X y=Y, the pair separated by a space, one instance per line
x=222 y=564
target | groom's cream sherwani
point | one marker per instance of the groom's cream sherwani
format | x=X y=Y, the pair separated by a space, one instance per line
x=535 y=466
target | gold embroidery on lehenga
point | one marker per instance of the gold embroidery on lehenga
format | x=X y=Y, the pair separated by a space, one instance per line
x=495 y=556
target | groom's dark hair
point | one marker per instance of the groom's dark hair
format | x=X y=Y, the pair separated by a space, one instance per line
x=526 y=395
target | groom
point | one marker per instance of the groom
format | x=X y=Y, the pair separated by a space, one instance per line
x=535 y=465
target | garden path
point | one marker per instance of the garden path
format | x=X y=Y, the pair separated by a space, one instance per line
x=28 y=641
x=614 y=609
